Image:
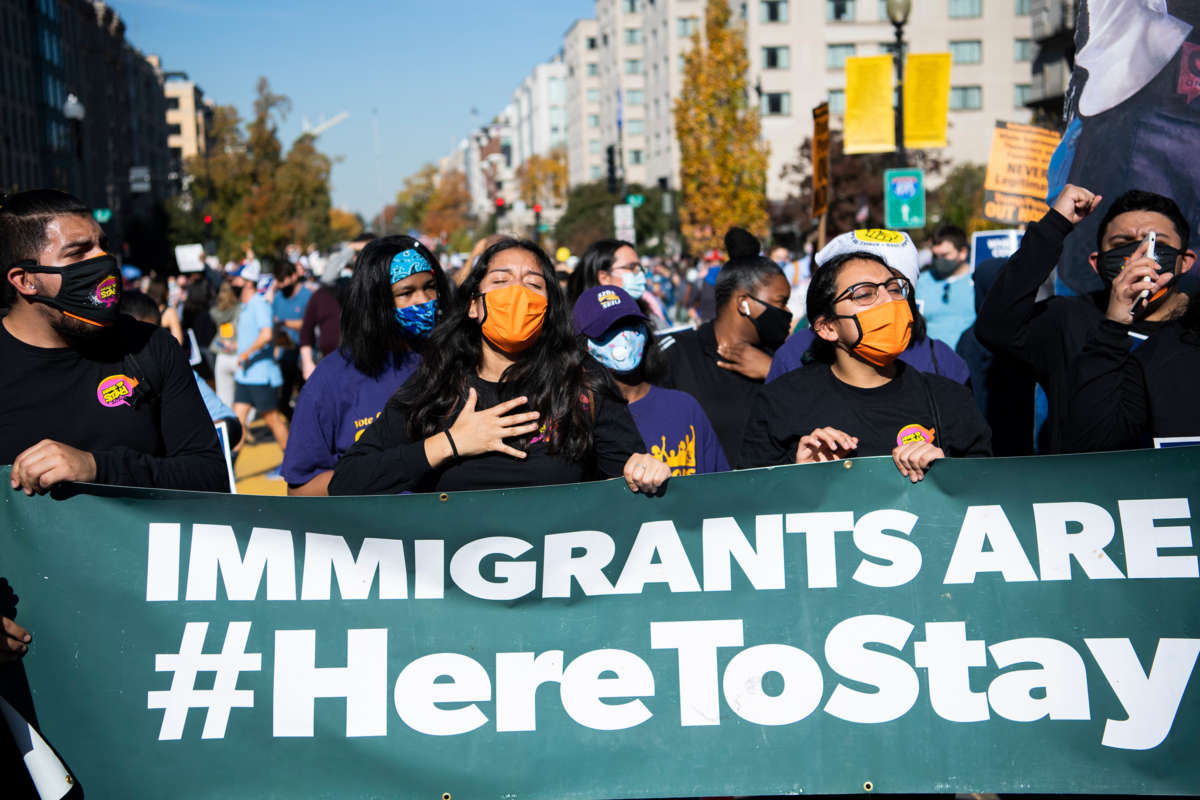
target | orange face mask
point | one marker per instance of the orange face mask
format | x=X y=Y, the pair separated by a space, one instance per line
x=513 y=317
x=884 y=331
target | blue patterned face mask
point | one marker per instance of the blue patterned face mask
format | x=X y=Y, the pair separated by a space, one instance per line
x=620 y=350
x=634 y=284
x=417 y=320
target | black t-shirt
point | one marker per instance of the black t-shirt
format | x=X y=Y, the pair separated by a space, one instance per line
x=130 y=400
x=386 y=460
x=908 y=407
x=723 y=394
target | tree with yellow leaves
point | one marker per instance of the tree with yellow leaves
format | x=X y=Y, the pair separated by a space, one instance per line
x=723 y=162
x=543 y=179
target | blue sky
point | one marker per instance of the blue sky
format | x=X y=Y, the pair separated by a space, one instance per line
x=422 y=65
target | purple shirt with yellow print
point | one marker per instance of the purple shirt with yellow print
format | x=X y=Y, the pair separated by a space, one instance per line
x=677 y=432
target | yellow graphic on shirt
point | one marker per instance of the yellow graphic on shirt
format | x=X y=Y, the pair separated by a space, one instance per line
x=360 y=425
x=681 y=460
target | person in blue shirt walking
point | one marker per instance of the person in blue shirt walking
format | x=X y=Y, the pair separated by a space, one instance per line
x=258 y=378
x=946 y=291
x=398 y=292
x=674 y=427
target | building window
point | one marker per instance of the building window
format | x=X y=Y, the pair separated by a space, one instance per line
x=592 y=44
x=686 y=26
x=593 y=95
x=635 y=127
x=839 y=10
x=773 y=11
x=593 y=120
x=636 y=156
x=836 y=55
x=777 y=104
x=1021 y=94
x=969 y=51
x=631 y=6
x=778 y=57
x=963 y=9
x=633 y=36
x=635 y=97
x=593 y=70
x=1022 y=50
x=1024 y=8
x=174 y=129
x=596 y=171
x=595 y=146
x=837 y=101
x=966 y=98
x=883 y=17
x=633 y=66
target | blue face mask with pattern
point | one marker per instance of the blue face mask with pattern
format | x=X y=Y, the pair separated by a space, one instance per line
x=620 y=350
x=417 y=320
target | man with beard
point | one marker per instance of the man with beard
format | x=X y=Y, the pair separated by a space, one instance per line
x=91 y=395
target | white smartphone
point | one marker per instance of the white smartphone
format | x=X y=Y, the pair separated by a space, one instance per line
x=1139 y=305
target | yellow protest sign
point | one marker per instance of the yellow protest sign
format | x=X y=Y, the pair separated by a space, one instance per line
x=870 y=125
x=1014 y=190
x=820 y=157
x=926 y=99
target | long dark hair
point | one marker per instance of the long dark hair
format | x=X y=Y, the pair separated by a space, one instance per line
x=597 y=258
x=370 y=334
x=822 y=291
x=553 y=373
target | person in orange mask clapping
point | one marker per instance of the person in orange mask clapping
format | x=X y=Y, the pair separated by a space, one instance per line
x=857 y=399
x=505 y=397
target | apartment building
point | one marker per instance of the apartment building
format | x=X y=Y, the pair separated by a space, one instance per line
x=623 y=64
x=540 y=108
x=585 y=148
x=189 y=118
x=669 y=28
x=798 y=50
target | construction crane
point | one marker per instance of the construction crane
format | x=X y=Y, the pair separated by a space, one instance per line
x=325 y=125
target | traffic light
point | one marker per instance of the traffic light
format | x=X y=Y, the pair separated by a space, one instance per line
x=537 y=222
x=537 y=208
x=499 y=206
x=611 y=155
x=208 y=219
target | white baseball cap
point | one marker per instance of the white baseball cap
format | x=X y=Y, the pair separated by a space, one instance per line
x=896 y=248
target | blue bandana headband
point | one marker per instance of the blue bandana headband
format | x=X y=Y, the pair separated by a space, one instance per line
x=408 y=262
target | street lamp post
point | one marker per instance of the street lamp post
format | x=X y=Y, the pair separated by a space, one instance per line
x=898 y=11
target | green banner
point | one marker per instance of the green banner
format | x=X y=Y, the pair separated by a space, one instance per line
x=1007 y=625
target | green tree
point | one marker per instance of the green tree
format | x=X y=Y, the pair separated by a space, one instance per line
x=589 y=217
x=412 y=201
x=723 y=161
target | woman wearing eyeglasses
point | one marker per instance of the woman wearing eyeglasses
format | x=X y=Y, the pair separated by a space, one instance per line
x=614 y=262
x=856 y=398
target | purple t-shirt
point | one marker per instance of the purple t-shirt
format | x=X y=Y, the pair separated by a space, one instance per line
x=334 y=408
x=932 y=356
x=676 y=431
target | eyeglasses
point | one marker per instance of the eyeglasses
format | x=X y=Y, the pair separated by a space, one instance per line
x=866 y=293
x=636 y=269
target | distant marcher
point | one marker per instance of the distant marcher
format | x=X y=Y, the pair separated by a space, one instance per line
x=258 y=379
x=613 y=262
x=291 y=299
x=946 y=291
x=224 y=314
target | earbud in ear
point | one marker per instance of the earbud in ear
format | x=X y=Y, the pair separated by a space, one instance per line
x=745 y=308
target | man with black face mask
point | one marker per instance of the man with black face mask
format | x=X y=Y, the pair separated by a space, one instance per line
x=1140 y=294
x=945 y=291
x=92 y=395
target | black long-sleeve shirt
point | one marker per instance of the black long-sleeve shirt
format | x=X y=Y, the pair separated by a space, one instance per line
x=723 y=394
x=92 y=400
x=1047 y=336
x=386 y=460
x=910 y=406
x=1124 y=399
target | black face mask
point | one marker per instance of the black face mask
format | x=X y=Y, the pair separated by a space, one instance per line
x=943 y=268
x=773 y=325
x=1110 y=262
x=90 y=291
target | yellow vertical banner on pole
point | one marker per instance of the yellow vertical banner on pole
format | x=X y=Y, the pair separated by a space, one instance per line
x=820 y=157
x=926 y=99
x=870 y=125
